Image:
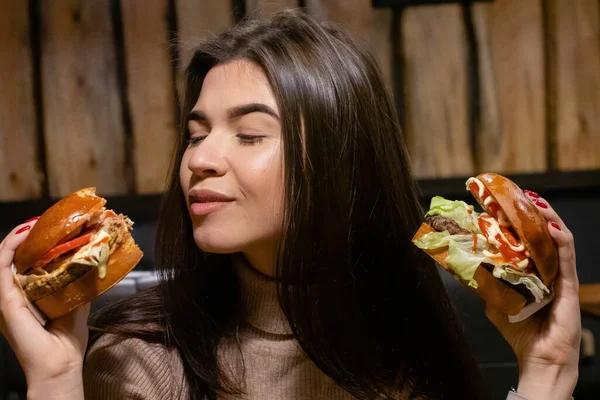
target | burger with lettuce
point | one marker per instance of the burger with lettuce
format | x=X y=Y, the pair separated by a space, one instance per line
x=504 y=253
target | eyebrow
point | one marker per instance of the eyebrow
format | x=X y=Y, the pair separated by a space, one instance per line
x=236 y=112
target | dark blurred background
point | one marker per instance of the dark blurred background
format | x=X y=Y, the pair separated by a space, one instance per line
x=88 y=98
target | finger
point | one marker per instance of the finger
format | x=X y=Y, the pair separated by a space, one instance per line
x=7 y=253
x=13 y=308
x=546 y=209
x=566 y=255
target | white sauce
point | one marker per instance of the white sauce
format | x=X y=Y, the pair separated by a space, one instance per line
x=502 y=218
x=489 y=254
x=479 y=185
x=497 y=272
x=523 y=264
x=494 y=230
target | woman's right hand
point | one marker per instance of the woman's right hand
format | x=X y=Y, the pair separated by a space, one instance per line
x=51 y=357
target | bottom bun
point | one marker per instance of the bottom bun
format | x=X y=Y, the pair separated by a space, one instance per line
x=90 y=286
x=492 y=290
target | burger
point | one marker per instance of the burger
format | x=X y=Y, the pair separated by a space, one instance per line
x=504 y=253
x=76 y=251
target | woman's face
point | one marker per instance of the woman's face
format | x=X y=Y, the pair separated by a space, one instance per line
x=232 y=169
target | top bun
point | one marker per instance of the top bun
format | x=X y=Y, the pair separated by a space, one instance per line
x=528 y=223
x=55 y=224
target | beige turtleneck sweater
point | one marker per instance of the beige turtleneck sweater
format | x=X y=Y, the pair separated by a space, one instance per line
x=275 y=367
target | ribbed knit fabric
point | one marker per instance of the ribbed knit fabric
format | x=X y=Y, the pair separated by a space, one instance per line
x=269 y=364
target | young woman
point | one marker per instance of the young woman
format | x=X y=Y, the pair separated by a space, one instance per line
x=286 y=266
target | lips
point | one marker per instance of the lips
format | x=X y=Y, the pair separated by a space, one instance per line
x=204 y=202
x=207 y=196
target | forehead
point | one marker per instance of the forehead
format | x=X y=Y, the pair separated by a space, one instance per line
x=233 y=84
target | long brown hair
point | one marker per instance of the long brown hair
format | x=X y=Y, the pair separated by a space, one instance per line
x=367 y=308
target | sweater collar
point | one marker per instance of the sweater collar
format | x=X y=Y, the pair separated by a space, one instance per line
x=258 y=297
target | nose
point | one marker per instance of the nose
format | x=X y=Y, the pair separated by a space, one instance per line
x=207 y=158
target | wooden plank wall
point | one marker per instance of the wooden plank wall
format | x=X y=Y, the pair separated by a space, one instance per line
x=88 y=95
x=82 y=113
x=151 y=108
x=510 y=46
x=20 y=167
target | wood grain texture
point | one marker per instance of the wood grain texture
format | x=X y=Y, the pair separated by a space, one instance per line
x=197 y=19
x=20 y=177
x=512 y=130
x=83 y=121
x=372 y=26
x=589 y=298
x=574 y=28
x=150 y=91
x=355 y=16
x=268 y=7
x=381 y=44
x=435 y=81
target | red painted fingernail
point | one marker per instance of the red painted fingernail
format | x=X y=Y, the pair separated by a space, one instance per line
x=23 y=229
x=555 y=225
x=540 y=204
x=531 y=194
x=32 y=219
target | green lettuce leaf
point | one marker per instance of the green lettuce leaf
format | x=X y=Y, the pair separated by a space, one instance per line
x=461 y=259
x=516 y=277
x=464 y=214
x=464 y=257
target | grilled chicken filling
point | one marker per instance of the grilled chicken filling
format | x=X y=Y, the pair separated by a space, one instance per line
x=109 y=231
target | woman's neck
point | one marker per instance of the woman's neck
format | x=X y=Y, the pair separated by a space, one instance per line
x=261 y=257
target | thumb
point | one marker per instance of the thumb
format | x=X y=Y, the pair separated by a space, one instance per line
x=73 y=326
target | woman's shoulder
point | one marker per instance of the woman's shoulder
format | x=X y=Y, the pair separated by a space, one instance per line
x=117 y=367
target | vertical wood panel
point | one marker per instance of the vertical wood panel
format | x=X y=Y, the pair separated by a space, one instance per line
x=82 y=109
x=150 y=91
x=20 y=177
x=371 y=26
x=575 y=30
x=435 y=67
x=268 y=7
x=356 y=15
x=512 y=133
x=382 y=45
x=197 y=19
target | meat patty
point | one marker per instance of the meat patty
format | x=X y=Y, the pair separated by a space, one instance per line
x=441 y=224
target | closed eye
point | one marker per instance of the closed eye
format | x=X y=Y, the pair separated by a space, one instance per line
x=248 y=140
x=194 y=140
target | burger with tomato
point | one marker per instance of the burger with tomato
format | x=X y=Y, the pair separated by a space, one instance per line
x=504 y=253
x=76 y=251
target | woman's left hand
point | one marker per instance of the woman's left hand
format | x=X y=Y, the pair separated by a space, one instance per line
x=547 y=343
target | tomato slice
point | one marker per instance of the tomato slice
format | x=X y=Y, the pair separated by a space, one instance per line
x=63 y=248
x=509 y=254
x=474 y=189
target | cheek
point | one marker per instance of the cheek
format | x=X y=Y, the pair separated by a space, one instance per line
x=266 y=177
x=184 y=173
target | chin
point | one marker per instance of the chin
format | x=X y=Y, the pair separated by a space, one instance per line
x=215 y=245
